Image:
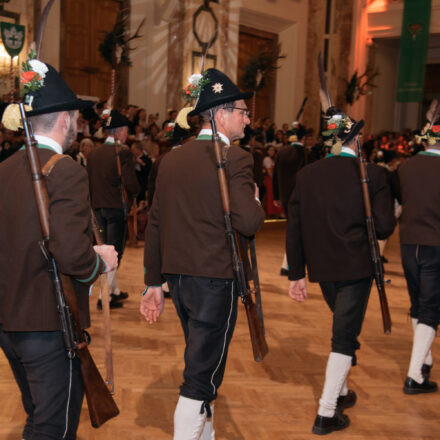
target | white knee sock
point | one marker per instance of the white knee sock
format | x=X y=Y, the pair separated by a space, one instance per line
x=188 y=422
x=423 y=337
x=208 y=430
x=338 y=366
x=428 y=360
x=113 y=283
x=285 y=265
x=344 y=389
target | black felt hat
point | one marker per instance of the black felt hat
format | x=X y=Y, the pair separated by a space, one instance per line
x=116 y=120
x=218 y=89
x=54 y=96
x=340 y=129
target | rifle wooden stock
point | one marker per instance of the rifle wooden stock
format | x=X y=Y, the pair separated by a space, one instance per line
x=374 y=247
x=258 y=340
x=101 y=404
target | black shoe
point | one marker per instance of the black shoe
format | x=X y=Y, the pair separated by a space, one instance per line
x=113 y=304
x=120 y=297
x=166 y=294
x=284 y=272
x=426 y=371
x=413 y=387
x=384 y=260
x=347 y=401
x=326 y=425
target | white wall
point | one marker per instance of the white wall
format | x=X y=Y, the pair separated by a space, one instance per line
x=148 y=74
x=287 y=18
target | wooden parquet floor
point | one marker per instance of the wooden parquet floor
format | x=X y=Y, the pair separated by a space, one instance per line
x=275 y=399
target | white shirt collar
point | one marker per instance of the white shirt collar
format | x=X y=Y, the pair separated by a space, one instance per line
x=49 y=142
x=434 y=151
x=110 y=140
x=208 y=132
x=349 y=151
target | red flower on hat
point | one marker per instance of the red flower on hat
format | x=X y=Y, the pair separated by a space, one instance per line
x=332 y=126
x=435 y=128
x=28 y=76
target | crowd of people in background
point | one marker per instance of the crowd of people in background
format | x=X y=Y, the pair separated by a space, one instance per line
x=149 y=139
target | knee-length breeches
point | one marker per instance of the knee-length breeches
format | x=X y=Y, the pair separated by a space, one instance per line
x=421 y=265
x=207 y=308
x=348 y=301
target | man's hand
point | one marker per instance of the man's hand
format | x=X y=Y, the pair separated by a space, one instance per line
x=152 y=304
x=109 y=255
x=298 y=290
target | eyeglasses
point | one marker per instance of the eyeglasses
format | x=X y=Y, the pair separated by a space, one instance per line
x=245 y=111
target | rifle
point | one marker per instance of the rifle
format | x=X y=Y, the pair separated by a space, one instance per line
x=374 y=247
x=99 y=400
x=258 y=340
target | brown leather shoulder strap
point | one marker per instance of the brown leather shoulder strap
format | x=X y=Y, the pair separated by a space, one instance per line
x=50 y=164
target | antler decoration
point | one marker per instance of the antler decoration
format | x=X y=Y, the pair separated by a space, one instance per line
x=114 y=49
x=324 y=94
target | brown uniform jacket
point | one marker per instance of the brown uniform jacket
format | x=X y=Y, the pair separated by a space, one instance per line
x=186 y=227
x=290 y=159
x=419 y=179
x=326 y=228
x=105 y=191
x=27 y=298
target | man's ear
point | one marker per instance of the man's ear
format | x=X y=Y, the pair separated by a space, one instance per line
x=64 y=121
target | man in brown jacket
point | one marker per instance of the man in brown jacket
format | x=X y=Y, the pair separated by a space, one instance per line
x=420 y=251
x=112 y=177
x=186 y=242
x=32 y=340
x=327 y=232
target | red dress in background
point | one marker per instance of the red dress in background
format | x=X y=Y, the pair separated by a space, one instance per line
x=269 y=206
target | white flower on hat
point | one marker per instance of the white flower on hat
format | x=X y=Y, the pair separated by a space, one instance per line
x=194 y=78
x=38 y=67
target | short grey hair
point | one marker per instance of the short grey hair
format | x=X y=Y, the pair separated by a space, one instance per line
x=46 y=122
x=206 y=114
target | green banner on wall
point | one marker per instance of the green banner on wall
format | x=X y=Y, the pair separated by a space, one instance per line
x=413 y=50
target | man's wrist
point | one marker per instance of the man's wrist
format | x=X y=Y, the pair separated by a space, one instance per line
x=146 y=289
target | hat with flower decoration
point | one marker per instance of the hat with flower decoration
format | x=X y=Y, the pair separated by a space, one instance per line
x=113 y=119
x=296 y=132
x=339 y=129
x=216 y=89
x=44 y=91
x=430 y=133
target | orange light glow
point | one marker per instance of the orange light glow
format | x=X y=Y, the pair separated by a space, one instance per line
x=377 y=6
x=379 y=28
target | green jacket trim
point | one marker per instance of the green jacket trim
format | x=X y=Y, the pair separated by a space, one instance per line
x=95 y=270
x=340 y=155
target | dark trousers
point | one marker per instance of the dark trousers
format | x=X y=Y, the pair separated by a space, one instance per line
x=348 y=301
x=207 y=308
x=421 y=265
x=20 y=377
x=51 y=384
x=113 y=225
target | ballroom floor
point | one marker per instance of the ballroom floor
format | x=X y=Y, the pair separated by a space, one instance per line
x=275 y=399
